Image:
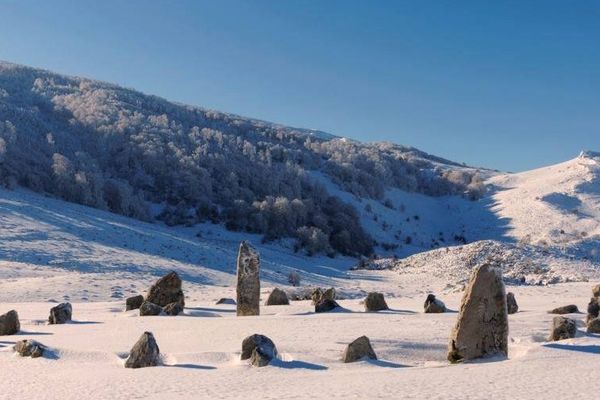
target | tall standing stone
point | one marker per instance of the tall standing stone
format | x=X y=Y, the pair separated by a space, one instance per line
x=482 y=326
x=248 y=281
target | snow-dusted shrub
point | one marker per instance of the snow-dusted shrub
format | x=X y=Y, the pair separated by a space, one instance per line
x=294 y=278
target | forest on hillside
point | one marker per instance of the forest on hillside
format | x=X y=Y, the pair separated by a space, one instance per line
x=117 y=149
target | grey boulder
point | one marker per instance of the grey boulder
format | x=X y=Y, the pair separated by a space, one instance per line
x=511 y=303
x=593 y=325
x=134 y=302
x=166 y=290
x=593 y=308
x=570 y=309
x=359 y=349
x=148 y=308
x=173 y=309
x=145 y=353
x=259 y=349
x=375 y=302
x=60 y=314
x=29 y=348
x=9 y=323
x=434 y=305
x=563 y=328
x=277 y=298
x=326 y=305
x=225 y=300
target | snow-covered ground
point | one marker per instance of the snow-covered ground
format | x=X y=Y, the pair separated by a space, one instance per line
x=201 y=352
x=541 y=225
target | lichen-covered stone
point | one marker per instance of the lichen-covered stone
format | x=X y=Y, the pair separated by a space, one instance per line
x=259 y=349
x=173 y=309
x=319 y=294
x=482 y=326
x=593 y=309
x=326 y=305
x=148 y=308
x=433 y=305
x=248 y=281
x=29 y=348
x=375 y=302
x=145 y=353
x=225 y=300
x=277 y=298
x=9 y=323
x=167 y=290
x=60 y=314
x=511 y=303
x=134 y=302
x=359 y=349
x=563 y=328
x=570 y=309
x=593 y=325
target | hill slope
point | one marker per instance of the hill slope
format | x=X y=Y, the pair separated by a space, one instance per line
x=116 y=149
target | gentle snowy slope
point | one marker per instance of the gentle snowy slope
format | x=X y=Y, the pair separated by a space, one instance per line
x=556 y=206
x=51 y=249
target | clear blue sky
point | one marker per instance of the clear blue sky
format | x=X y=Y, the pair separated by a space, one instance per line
x=507 y=84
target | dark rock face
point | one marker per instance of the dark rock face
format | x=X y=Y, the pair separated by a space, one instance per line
x=173 y=309
x=563 y=328
x=133 y=303
x=29 y=348
x=166 y=290
x=148 y=308
x=593 y=325
x=259 y=349
x=375 y=302
x=511 y=303
x=359 y=349
x=596 y=291
x=248 y=281
x=225 y=300
x=433 y=305
x=9 y=323
x=326 y=305
x=145 y=353
x=593 y=309
x=482 y=326
x=570 y=309
x=60 y=314
x=278 y=298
